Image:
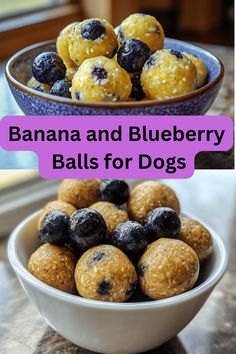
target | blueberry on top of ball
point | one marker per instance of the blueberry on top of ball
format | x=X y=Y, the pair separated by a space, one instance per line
x=92 y=30
x=137 y=90
x=151 y=61
x=99 y=73
x=162 y=222
x=48 y=67
x=115 y=191
x=177 y=54
x=132 y=55
x=54 y=228
x=87 y=228
x=120 y=34
x=130 y=237
x=61 y=88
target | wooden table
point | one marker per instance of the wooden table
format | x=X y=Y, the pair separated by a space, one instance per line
x=209 y=195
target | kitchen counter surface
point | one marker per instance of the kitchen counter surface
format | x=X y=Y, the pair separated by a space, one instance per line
x=208 y=195
x=223 y=105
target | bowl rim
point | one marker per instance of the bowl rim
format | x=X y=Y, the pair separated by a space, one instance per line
x=126 y=104
x=205 y=286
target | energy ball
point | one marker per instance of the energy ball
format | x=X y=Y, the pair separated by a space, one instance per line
x=196 y=236
x=143 y=27
x=202 y=70
x=66 y=208
x=149 y=195
x=167 y=74
x=62 y=46
x=167 y=268
x=101 y=79
x=38 y=86
x=54 y=266
x=92 y=38
x=80 y=193
x=105 y=273
x=112 y=214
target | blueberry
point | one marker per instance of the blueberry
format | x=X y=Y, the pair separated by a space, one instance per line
x=104 y=288
x=61 y=88
x=130 y=237
x=54 y=228
x=151 y=61
x=39 y=88
x=87 y=228
x=142 y=268
x=137 y=90
x=120 y=34
x=131 y=289
x=162 y=222
x=114 y=190
x=177 y=54
x=48 y=67
x=92 y=29
x=99 y=73
x=132 y=55
x=96 y=257
x=77 y=95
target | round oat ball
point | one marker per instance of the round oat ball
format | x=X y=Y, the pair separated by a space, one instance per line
x=167 y=268
x=196 y=236
x=66 y=208
x=101 y=79
x=202 y=70
x=105 y=273
x=149 y=195
x=62 y=46
x=80 y=193
x=112 y=214
x=143 y=27
x=92 y=38
x=54 y=266
x=167 y=74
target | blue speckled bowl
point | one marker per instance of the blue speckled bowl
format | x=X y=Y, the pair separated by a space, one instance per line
x=18 y=72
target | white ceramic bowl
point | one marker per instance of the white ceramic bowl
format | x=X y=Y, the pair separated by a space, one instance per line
x=111 y=327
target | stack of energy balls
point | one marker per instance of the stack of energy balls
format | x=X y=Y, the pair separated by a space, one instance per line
x=103 y=242
x=95 y=62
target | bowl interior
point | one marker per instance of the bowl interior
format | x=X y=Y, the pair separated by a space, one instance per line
x=24 y=242
x=20 y=67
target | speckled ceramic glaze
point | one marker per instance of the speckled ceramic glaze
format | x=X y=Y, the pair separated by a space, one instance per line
x=18 y=72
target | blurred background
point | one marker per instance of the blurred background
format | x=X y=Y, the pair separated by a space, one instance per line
x=23 y=22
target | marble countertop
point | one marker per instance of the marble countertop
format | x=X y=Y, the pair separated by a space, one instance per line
x=209 y=196
x=223 y=105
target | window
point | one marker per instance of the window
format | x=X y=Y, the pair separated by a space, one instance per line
x=26 y=22
x=12 y=8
